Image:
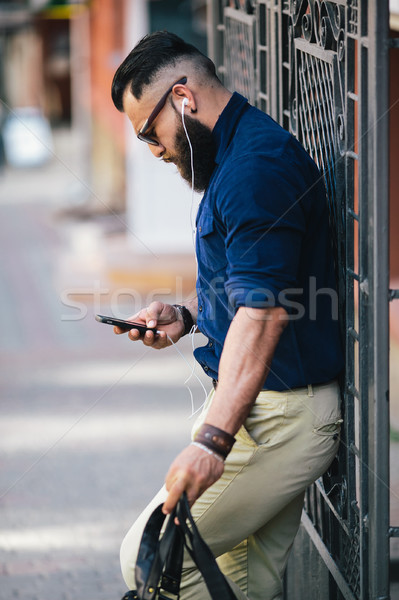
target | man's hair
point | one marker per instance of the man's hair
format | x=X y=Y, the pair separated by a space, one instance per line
x=150 y=56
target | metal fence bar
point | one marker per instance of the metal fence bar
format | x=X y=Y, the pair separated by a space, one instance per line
x=325 y=554
x=378 y=272
x=351 y=392
x=365 y=339
x=215 y=29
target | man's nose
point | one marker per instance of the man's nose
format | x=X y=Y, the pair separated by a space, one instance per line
x=158 y=151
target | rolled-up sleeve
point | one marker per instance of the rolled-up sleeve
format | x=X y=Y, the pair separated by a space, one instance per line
x=264 y=218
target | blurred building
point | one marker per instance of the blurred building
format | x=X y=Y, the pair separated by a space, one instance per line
x=60 y=56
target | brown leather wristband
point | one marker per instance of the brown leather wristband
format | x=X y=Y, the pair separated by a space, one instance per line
x=215 y=439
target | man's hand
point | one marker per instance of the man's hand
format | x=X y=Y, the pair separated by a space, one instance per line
x=193 y=471
x=163 y=317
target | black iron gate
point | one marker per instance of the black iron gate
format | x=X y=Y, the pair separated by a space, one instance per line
x=320 y=68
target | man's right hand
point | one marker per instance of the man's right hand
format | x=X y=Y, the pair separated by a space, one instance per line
x=163 y=317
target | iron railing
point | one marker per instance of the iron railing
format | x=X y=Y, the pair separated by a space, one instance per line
x=320 y=68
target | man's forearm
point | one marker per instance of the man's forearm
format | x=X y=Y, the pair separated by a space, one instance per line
x=247 y=354
x=245 y=362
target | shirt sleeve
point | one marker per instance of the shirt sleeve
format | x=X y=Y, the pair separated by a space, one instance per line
x=263 y=216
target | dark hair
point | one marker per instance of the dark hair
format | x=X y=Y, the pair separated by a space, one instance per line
x=154 y=52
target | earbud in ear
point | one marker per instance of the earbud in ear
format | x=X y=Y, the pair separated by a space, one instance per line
x=185 y=102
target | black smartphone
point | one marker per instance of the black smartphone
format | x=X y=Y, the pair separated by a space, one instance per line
x=127 y=325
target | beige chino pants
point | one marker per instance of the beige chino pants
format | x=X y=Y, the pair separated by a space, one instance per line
x=250 y=516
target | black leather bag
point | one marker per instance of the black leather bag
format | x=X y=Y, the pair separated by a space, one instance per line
x=160 y=559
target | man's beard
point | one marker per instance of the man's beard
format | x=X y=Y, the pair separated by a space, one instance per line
x=204 y=153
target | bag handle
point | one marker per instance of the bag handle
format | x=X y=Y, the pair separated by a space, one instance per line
x=159 y=561
x=154 y=553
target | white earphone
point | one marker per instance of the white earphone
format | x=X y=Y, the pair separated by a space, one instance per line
x=183 y=104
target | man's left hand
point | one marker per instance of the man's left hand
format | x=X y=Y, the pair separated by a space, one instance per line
x=193 y=471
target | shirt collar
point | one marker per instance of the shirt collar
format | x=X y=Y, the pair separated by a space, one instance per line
x=227 y=122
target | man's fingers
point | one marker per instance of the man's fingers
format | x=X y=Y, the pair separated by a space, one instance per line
x=154 y=340
x=118 y=330
x=134 y=335
x=149 y=338
x=174 y=495
x=161 y=341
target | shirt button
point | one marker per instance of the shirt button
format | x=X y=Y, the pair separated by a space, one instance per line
x=210 y=344
x=200 y=228
x=206 y=369
x=200 y=308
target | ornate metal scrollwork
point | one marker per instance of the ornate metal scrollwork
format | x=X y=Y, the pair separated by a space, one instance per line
x=318 y=21
x=307 y=27
x=321 y=24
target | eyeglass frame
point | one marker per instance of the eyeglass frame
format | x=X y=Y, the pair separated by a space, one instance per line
x=159 y=106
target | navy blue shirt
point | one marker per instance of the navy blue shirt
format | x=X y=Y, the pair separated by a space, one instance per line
x=263 y=241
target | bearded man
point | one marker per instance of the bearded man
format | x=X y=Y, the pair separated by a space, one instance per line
x=266 y=303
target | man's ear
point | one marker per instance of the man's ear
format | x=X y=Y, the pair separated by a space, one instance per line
x=181 y=93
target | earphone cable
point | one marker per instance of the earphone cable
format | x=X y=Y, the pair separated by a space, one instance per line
x=192 y=171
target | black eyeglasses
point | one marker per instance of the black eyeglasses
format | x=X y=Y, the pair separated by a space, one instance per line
x=147 y=124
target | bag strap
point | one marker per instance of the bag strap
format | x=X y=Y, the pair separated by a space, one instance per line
x=201 y=554
x=159 y=561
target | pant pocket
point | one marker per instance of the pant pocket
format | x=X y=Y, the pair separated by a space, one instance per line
x=330 y=429
x=266 y=419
